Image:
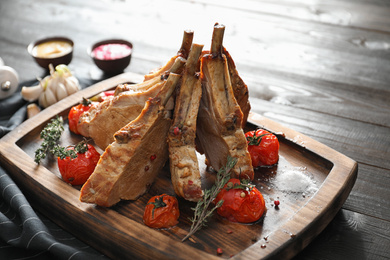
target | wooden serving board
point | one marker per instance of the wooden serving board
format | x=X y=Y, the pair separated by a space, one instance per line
x=119 y=232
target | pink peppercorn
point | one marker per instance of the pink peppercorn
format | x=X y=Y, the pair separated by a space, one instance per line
x=176 y=131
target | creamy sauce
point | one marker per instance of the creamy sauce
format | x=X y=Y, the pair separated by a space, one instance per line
x=52 y=49
x=111 y=51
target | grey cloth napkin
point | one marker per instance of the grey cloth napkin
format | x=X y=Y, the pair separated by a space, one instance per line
x=12 y=113
x=24 y=233
x=25 y=236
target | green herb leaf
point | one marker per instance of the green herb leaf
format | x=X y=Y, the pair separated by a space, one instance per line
x=202 y=211
x=82 y=146
x=51 y=134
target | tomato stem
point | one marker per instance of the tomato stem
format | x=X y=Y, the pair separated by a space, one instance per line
x=158 y=203
x=85 y=102
x=244 y=185
x=255 y=140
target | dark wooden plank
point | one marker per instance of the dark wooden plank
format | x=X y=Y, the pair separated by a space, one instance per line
x=350 y=236
x=370 y=194
x=323 y=96
x=281 y=43
x=363 y=14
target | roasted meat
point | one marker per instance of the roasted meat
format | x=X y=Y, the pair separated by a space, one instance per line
x=183 y=160
x=104 y=119
x=129 y=165
x=219 y=126
x=183 y=52
x=240 y=89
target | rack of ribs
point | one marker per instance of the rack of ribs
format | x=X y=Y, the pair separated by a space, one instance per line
x=120 y=109
x=183 y=160
x=219 y=126
x=129 y=165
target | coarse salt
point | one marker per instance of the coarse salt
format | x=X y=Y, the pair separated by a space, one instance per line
x=295 y=180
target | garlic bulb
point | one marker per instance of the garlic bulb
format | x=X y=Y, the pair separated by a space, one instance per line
x=58 y=85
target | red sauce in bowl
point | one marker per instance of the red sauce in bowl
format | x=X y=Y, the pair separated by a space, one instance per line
x=111 y=51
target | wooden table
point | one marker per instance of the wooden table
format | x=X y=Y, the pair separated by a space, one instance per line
x=320 y=68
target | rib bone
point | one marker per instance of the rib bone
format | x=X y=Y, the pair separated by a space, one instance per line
x=183 y=52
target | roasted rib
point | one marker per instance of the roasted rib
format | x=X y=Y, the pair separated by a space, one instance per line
x=219 y=126
x=129 y=165
x=184 y=166
x=240 y=89
x=183 y=52
x=104 y=119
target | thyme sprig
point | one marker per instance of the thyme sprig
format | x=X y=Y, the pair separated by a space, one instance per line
x=51 y=134
x=202 y=211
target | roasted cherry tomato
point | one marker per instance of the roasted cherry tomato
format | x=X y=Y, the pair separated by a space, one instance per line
x=162 y=211
x=263 y=147
x=242 y=202
x=75 y=113
x=77 y=170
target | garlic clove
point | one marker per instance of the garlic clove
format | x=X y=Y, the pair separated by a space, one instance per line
x=32 y=110
x=72 y=85
x=31 y=93
x=49 y=97
x=42 y=100
x=52 y=83
x=61 y=91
